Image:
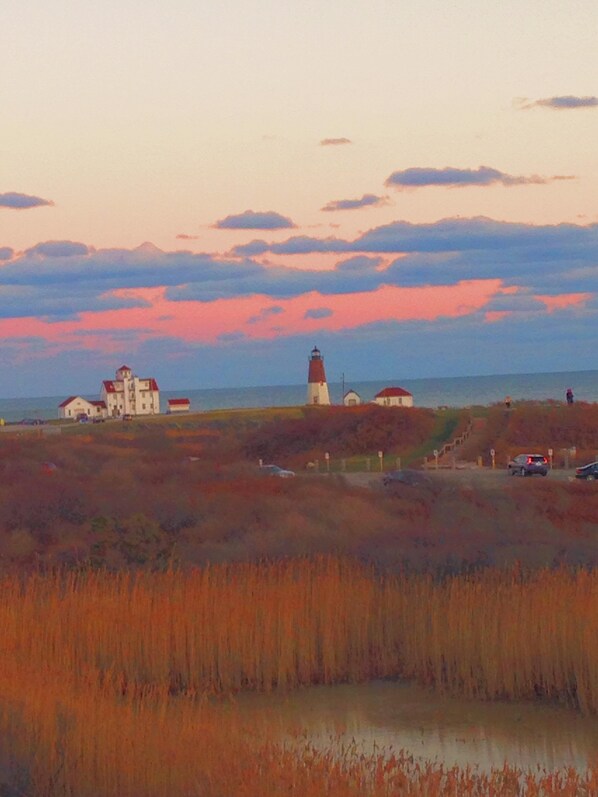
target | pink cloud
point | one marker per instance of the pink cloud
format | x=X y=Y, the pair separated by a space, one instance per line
x=564 y=300
x=205 y=322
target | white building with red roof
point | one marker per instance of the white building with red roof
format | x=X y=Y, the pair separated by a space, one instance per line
x=394 y=397
x=178 y=405
x=128 y=394
x=75 y=407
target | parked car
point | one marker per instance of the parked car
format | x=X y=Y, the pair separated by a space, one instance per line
x=411 y=478
x=587 y=472
x=98 y=419
x=82 y=417
x=528 y=465
x=274 y=470
x=127 y=417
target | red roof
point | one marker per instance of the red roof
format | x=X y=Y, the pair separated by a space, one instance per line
x=67 y=401
x=124 y=368
x=109 y=386
x=98 y=404
x=179 y=401
x=389 y=392
x=153 y=384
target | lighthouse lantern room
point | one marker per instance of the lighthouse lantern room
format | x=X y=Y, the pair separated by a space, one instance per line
x=317 y=388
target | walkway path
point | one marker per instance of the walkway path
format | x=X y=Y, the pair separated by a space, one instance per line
x=463 y=452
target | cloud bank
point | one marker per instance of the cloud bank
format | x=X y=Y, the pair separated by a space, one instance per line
x=334 y=142
x=478 y=269
x=250 y=220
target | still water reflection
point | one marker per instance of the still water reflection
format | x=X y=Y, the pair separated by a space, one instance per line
x=446 y=730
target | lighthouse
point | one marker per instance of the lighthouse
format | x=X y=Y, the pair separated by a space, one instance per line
x=317 y=389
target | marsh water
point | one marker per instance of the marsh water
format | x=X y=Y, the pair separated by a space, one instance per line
x=386 y=716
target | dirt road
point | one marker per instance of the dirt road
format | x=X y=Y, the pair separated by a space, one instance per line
x=474 y=477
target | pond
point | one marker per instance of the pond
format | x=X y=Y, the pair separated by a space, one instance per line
x=392 y=716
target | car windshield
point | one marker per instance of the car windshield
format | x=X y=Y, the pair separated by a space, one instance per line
x=538 y=459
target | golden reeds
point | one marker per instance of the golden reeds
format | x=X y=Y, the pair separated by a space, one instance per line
x=101 y=674
x=300 y=622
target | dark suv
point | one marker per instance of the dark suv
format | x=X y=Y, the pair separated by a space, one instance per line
x=588 y=472
x=528 y=464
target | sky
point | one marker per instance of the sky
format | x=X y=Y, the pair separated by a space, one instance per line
x=205 y=191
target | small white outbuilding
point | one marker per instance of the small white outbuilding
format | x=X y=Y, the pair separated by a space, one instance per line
x=351 y=398
x=394 y=397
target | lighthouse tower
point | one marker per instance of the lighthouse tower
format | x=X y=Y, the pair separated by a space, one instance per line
x=317 y=389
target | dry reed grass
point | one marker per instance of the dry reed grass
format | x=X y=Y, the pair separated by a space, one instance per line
x=298 y=622
x=103 y=677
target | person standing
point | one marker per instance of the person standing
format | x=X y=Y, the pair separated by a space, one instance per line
x=569 y=395
x=508 y=402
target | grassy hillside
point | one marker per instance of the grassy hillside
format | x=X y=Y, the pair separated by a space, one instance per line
x=149 y=495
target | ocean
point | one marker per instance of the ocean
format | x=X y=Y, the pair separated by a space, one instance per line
x=458 y=391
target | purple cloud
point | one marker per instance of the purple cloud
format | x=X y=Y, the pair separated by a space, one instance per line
x=22 y=201
x=6 y=253
x=563 y=103
x=453 y=178
x=357 y=264
x=297 y=245
x=250 y=220
x=367 y=200
x=184 y=237
x=334 y=142
x=318 y=312
x=58 y=249
x=265 y=312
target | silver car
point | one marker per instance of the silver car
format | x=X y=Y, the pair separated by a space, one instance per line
x=274 y=470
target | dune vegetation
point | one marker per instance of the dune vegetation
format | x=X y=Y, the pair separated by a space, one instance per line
x=187 y=493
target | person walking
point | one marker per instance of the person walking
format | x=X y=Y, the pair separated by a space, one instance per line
x=569 y=395
x=508 y=402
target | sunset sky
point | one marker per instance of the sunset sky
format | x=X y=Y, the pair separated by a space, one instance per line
x=205 y=190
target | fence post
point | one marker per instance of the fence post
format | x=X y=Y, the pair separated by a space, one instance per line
x=327 y=458
x=381 y=458
x=398 y=463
